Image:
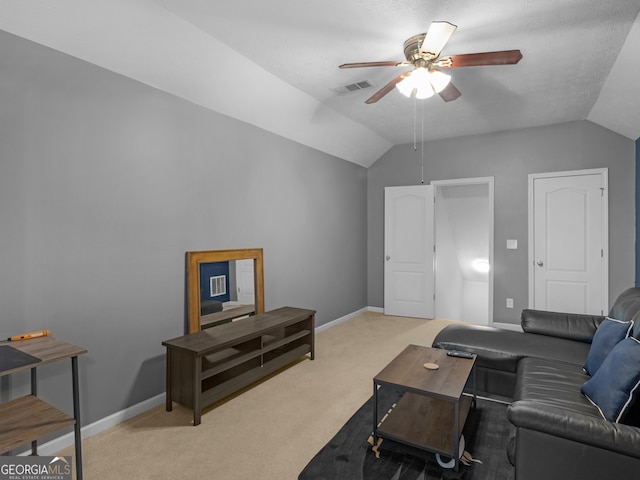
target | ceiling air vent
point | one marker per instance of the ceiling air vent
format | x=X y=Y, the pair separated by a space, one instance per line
x=352 y=87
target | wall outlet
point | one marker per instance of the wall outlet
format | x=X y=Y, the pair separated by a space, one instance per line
x=509 y=302
x=512 y=244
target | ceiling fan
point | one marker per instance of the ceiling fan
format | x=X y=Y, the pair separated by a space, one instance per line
x=422 y=51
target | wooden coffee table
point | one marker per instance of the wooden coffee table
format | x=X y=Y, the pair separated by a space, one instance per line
x=434 y=408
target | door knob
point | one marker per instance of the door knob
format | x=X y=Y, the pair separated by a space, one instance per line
x=388 y=258
x=540 y=263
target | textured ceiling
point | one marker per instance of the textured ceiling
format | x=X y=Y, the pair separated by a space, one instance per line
x=273 y=63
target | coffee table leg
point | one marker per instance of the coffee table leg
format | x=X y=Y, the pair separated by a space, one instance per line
x=375 y=413
x=456 y=435
x=475 y=385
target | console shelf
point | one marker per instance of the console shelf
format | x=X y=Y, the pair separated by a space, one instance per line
x=227 y=364
x=206 y=366
x=271 y=343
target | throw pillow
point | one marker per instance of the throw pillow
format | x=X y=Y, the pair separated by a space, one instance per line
x=616 y=385
x=607 y=336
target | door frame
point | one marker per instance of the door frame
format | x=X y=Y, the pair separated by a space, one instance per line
x=604 y=173
x=489 y=181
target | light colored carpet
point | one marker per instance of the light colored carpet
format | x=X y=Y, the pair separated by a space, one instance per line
x=268 y=431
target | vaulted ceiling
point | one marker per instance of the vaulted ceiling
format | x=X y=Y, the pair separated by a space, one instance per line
x=274 y=64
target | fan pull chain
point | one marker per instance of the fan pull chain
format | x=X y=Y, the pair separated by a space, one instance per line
x=422 y=146
x=415 y=101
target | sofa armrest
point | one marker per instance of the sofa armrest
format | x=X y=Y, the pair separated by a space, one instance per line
x=572 y=326
x=577 y=427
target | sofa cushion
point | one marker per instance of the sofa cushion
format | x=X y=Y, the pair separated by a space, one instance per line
x=557 y=424
x=555 y=384
x=572 y=326
x=607 y=336
x=616 y=385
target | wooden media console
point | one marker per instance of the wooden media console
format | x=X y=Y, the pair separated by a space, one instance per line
x=206 y=366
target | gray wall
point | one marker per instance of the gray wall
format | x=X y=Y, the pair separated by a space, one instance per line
x=510 y=157
x=105 y=183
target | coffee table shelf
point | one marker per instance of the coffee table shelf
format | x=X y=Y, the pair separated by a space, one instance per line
x=434 y=431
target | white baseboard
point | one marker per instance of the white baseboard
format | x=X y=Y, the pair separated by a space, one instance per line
x=64 y=441
x=349 y=316
x=338 y=321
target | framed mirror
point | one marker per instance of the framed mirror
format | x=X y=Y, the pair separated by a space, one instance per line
x=214 y=276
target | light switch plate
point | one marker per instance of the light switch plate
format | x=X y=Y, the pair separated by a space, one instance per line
x=512 y=244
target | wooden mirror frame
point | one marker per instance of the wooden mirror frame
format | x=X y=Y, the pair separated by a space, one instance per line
x=194 y=259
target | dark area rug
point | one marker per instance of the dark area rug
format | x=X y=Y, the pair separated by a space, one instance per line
x=349 y=455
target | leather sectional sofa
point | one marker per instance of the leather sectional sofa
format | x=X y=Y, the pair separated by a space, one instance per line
x=559 y=432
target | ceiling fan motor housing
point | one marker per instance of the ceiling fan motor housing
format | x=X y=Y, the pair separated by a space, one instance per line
x=412 y=48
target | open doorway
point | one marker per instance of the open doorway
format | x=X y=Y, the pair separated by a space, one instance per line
x=464 y=249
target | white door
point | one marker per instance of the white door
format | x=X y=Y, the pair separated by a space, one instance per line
x=245 y=282
x=568 y=255
x=408 y=243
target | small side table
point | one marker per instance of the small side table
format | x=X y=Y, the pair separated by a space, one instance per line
x=28 y=417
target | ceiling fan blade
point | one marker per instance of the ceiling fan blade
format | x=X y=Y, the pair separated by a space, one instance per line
x=374 y=64
x=450 y=93
x=504 y=57
x=437 y=36
x=386 y=89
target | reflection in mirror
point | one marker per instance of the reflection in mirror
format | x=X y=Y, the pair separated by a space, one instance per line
x=226 y=292
x=223 y=286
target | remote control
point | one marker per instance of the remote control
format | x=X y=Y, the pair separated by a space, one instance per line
x=459 y=354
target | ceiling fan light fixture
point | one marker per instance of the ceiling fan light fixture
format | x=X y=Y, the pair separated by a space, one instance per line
x=424 y=92
x=439 y=80
x=405 y=86
x=416 y=83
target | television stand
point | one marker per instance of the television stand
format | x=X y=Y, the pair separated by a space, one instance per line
x=206 y=366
